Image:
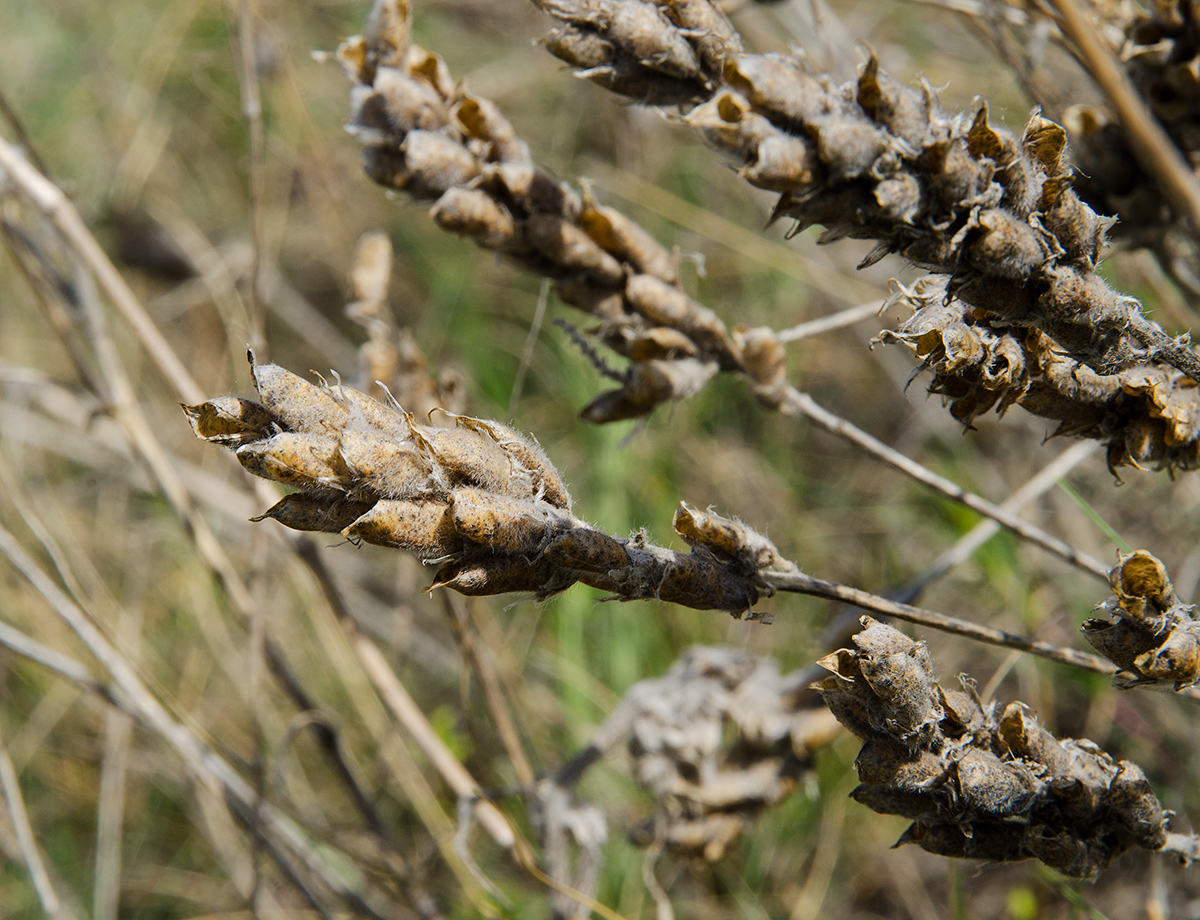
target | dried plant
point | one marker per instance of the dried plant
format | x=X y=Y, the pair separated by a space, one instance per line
x=1008 y=229
x=716 y=740
x=978 y=785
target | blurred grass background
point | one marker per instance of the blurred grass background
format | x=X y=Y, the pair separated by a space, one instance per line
x=136 y=110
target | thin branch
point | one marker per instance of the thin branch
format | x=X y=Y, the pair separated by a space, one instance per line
x=839 y=320
x=798 y=403
x=816 y=587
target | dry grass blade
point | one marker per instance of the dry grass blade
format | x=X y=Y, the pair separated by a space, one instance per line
x=206 y=766
x=15 y=802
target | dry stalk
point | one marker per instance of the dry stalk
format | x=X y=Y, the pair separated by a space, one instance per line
x=874 y=159
x=978 y=784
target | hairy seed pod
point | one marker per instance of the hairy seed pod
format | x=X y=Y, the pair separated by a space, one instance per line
x=435 y=162
x=588 y=551
x=408 y=104
x=636 y=27
x=780 y=162
x=474 y=213
x=764 y=359
x=528 y=459
x=570 y=249
x=482 y=120
x=650 y=384
x=889 y=800
x=715 y=38
x=777 y=84
x=661 y=342
x=306 y=461
x=430 y=69
x=385 y=468
x=616 y=233
x=463 y=457
x=229 y=421
x=487 y=574
x=704 y=584
x=314 y=513
x=294 y=402
x=503 y=524
x=370 y=415
x=582 y=49
x=423 y=528
x=991 y=788
x=666 y=305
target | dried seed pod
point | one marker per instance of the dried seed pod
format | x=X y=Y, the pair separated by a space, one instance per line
x=464 y=457
x=731 y=541
x=616 y=233
x=578 y=47
x=764 y=359
x=900 y=672
x=1007 y=247
x=385 y=468
x=423 y=528
x=435 y=162
x=295 y=403
x=780 y=162
x=980 y=788
x=229 y=421
x=370 y=277
x=315 y=513
x=408 y=104
x=306 y=461
x=482 y=120
x=503 y=524
x=474 y=213
x=650 y=384
x=666 y=305
x=387 y=30
x=487 y=574
x=777 y=84
x=365 y=414
x=528 y=459
x=987 y=786
x=636 y=27
x=588 y=551
x=659 y=343
x=570 y=249
x=703 y=584
x=429 y=68
x=706 y=24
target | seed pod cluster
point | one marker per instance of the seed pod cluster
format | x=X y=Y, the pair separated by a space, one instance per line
x=1152 y=636
x=878 y=160
x=995 y=212
x=424 y=136
x=480 y=499
x=1147 y=416
x=977 y=784
x=1159 y=45
x=718 y=739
